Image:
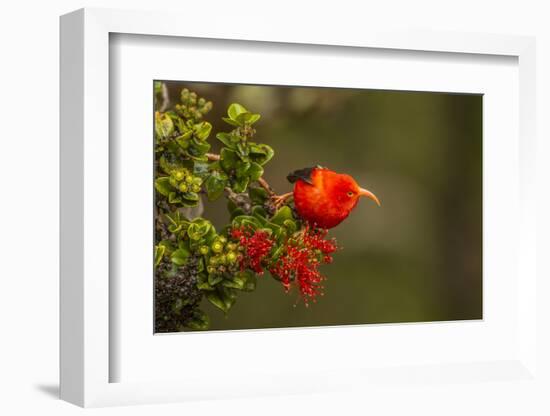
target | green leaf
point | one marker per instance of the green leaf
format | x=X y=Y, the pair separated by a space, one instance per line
x=199 y=322
x=214 y=279
x=235 y=110
x=200 y=265
x=173 y=198
x=190 y=197
x=231 y=122
x=277 y=252
x=243 y=280
x=167 y=244
x=256 y=149
x=184 y=139
x=247 y=118
x=162 y=185
x=241 y=168
x=236 y=283
x=175 y=222
x=164 y=126
x=216 y=299
x=255 y=172
x=237 y=212
x=251 y=118
x=259 y=212
x=277 y=231
x=168 y=165
x=189 y=203
x=284 y=213
x=229 y=297
x=202 y=130
x=243 y=151
x=202 y=282
x=240 y=184
x=200 y=168
x=210 y=236
x=290 y=226
x=264 y=157
x=215 y=184
x=257 y=195
x=228 y=159
x=247 y=221
x=197 y=148
x=159 y=253
x=198 y=229
x=180 y=256
x=228 y=139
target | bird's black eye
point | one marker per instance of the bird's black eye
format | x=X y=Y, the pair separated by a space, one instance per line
x=350 y=193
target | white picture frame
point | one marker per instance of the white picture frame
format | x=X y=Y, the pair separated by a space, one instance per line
x=86 y=355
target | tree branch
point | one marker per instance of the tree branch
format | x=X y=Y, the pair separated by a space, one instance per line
x=165 y=98
x=263 y=183
x=212 y=156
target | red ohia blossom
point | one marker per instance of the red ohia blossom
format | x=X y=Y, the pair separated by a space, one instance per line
x=257 y=246
x=300 y=261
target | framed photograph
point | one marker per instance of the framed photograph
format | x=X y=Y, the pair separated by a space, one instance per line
x=270 y=213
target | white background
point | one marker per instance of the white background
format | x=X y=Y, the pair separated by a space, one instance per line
x=29 y=172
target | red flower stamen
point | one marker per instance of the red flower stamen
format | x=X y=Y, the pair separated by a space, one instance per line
x=300 y=261
x=257 y=246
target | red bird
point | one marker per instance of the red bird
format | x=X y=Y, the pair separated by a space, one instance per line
x=325 y=198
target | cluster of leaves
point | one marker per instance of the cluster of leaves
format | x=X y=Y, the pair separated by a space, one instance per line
x=193 y=260
x=241 y=160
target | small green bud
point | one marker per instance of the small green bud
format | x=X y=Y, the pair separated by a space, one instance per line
x=231 y=257
x=189 y=179
x=213 y=261
x=231 y=246
x=223 y=259
x=183 y=187
x=204 y=250
x=222 y=239
x=197 y=180
x=217 y=246
x=211 y=269
x=207 y=107
x=178 y=175
x=195 y=188
x=173 y=181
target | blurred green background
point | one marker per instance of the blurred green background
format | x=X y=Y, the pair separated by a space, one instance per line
x=416 y=258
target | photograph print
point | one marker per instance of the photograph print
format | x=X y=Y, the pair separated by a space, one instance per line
x=284 y=206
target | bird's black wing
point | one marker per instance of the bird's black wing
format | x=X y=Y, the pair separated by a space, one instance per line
x=303 y=174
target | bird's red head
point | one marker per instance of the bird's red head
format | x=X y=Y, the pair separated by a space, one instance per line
x=324 y=197
x=345 y=191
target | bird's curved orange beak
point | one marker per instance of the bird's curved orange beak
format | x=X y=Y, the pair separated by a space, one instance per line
x=369 y=194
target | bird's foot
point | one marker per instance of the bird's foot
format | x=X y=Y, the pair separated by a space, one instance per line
x=279 y=200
